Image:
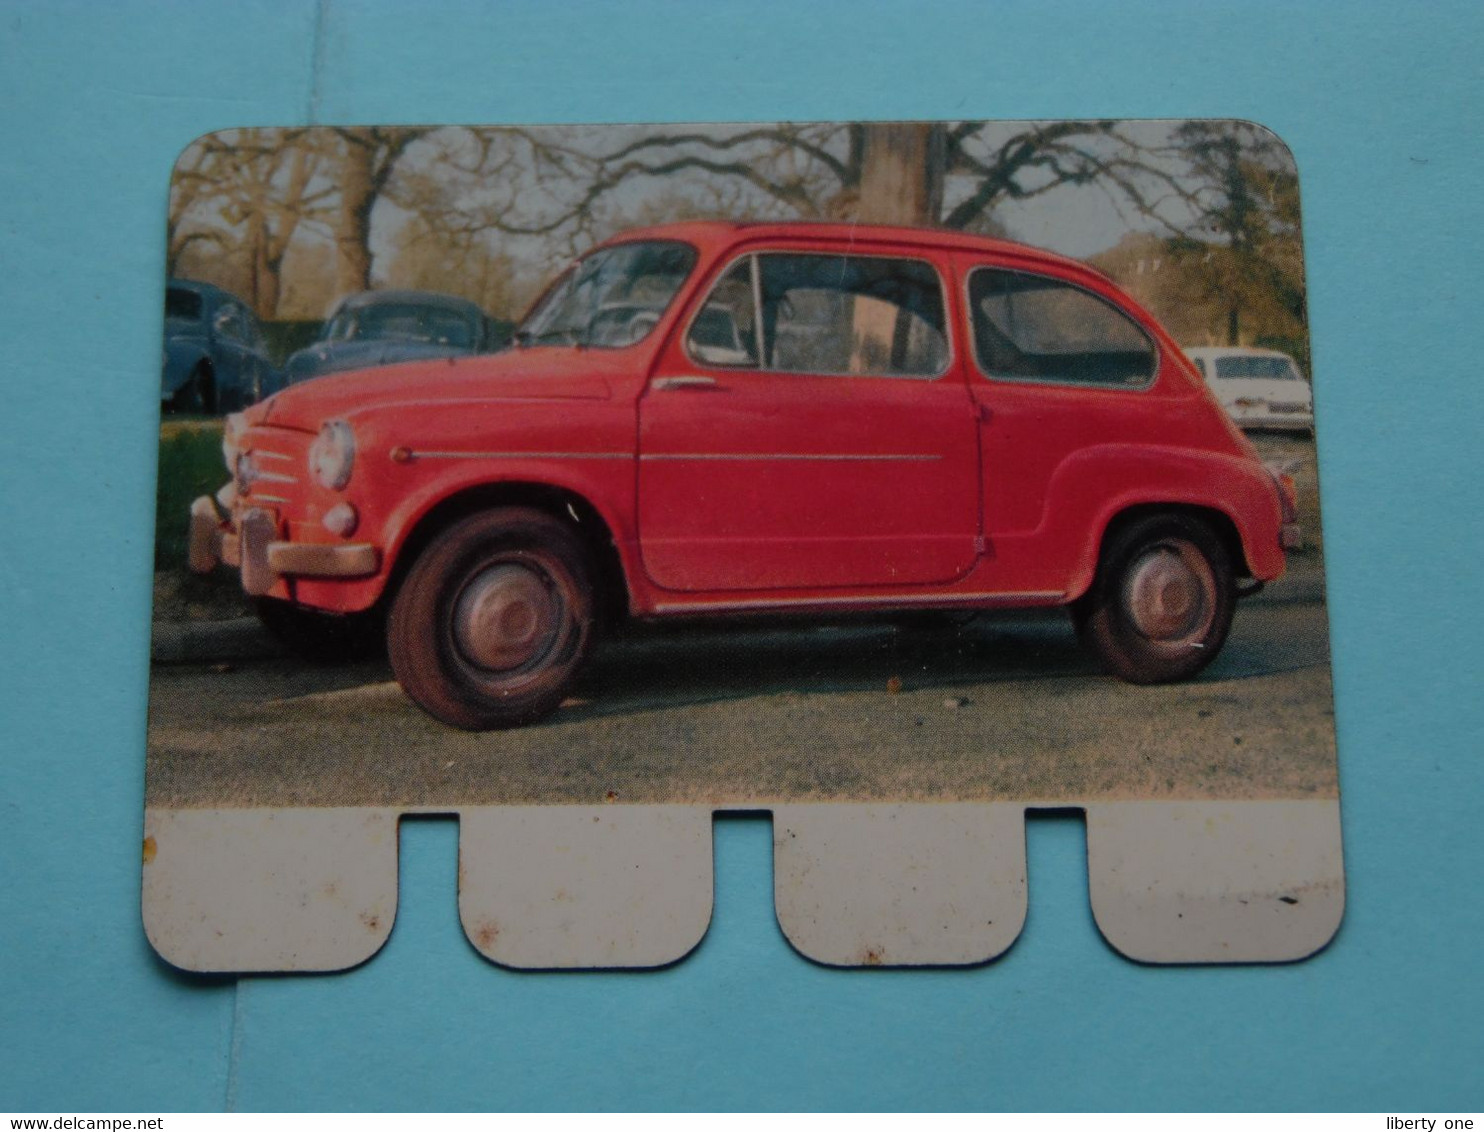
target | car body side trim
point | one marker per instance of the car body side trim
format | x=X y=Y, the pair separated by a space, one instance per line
x=419 y=454
x=885 y=601
x=871 y=456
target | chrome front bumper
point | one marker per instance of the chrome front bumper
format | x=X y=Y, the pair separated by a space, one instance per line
x=250 y=543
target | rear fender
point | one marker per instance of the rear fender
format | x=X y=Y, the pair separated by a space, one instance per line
x=1091 y=489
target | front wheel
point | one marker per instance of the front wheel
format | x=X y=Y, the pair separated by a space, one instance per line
x=494 y=620
x=1161 y=604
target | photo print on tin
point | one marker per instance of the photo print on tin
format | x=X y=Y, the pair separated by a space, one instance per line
x=896 y=479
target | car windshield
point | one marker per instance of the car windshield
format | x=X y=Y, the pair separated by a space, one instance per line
x=613 y=297
x=180 y=303
x=402 y=322
x=1239 y=366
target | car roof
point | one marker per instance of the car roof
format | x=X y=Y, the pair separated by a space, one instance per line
x=1234 y=352
x=209 y=290
x=415 y=298
x=710 y=235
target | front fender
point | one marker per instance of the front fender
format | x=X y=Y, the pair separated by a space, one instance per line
x=603 y=490
x=585 y=449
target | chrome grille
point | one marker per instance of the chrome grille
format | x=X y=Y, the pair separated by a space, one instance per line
x=270 y=466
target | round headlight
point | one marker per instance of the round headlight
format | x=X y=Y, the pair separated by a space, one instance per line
x=332 y=455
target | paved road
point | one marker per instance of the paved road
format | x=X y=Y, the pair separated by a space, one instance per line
x=1004 y=707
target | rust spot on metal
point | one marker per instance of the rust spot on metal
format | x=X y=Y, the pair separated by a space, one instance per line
x=873 y=957
x=894 y=685
x=372 y=921
x=486 y=934
x=611 y=796
x=150 y=849
x=401 y=455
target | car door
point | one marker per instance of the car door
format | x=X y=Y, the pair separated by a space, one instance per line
x=810 y=428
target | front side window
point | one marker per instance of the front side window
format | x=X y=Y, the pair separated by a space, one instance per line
x=613 y=297
x=1034 y=328
x=865 y=316
x=724 y=331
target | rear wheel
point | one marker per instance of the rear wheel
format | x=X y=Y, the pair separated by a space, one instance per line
x=494 y=620
x=1161 y=605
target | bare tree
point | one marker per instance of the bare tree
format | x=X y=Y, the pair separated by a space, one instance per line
x=196 y=181
x=368 y=157
x=247 y=191
x=1246 y=190
x=488 y=199
x=906 y=173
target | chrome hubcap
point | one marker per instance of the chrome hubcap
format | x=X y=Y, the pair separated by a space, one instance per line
x=1168 y=594
x=506 y=617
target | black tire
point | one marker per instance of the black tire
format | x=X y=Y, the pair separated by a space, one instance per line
x=494 y=620
x=1161 y=605
x=324 y=638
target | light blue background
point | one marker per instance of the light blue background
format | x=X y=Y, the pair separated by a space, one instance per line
x=1380 y=103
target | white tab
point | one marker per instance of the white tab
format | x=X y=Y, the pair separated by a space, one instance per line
x=1216 y=882
x=889 y=885
x=269 y=890
x=585 y=886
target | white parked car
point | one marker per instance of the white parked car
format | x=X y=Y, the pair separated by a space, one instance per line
x=1259 y=388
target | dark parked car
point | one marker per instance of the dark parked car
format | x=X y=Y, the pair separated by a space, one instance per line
x=378 y=328
x=215 y=358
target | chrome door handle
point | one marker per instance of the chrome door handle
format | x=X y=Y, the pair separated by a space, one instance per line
x=695 y=382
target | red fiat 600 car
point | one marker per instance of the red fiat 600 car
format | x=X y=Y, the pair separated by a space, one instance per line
x=715 y=418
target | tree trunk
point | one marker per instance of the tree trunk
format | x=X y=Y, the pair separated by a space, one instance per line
x=902 y=174
x=901 y=183
x=257 y=239
x=353 y=229
x=269 y=285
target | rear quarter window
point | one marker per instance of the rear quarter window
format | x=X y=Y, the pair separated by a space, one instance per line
x=1030 y=327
